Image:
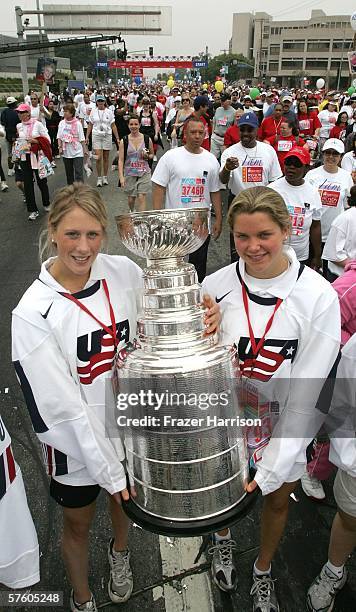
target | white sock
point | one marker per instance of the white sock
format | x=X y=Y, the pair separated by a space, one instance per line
x=338 y=571
x=105 y=177
x=259 y=572
x=219 y=538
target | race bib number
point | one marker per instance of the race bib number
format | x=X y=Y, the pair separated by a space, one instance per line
x=192 y=191
x=329 y=197
x=304 y=124
x=284 y=145
x=252 y=173
x=146 y=121
x=222 y=121
x=297 y=217
x=137 y=167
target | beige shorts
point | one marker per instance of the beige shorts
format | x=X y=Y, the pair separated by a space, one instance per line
x=102 y=143
x=345 y=492
x=138 y=184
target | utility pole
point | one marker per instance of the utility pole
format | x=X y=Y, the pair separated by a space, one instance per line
x=23 y=58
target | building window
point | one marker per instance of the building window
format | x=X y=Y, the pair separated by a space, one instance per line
x=293 y=45
x=318 y=45
x=335 y=64
x=316 y=64
x=273 y=67
x=339 y=44
x=292 y=64
x=274 y=50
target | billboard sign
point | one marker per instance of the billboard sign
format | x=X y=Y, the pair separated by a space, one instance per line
x=200 y=64
x=107 y=18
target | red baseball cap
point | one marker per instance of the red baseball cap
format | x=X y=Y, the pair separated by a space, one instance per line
x=302 y=154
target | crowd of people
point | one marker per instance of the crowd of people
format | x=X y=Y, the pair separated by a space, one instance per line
x=286 y=302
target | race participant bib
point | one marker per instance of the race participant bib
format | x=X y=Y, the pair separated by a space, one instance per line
x=297 y=217
x=222 y=121
x=330 y=195
x=146 y=121
x=137 y=167
x=252 y=171
x=304 y=124
x=192 y=191
x=284 y=145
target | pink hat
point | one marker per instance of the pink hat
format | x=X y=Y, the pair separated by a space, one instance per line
x=23 y=108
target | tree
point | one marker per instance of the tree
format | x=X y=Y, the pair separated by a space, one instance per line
x=79 y=55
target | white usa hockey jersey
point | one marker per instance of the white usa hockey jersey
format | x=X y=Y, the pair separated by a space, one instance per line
x=63 y=360
x=19 y=554
x=299 y=350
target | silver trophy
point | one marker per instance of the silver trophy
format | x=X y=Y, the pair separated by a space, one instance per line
x=186 y=453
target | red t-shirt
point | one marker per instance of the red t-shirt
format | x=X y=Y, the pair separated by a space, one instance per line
x=162 y=99
x=308 y=123
x=338 y=131
x=232 y=135
x=269 y=127
x=283 y=145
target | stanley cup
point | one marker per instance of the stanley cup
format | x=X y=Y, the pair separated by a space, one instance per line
x=187 y=457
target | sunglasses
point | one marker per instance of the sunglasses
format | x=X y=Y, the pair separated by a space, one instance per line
x=185 y=99
x=34 y=98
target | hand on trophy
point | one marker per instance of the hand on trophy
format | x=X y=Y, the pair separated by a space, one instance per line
x=124 y=495
x=212 y=317
x=251 y=486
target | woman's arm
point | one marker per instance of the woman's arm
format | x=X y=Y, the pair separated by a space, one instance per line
x=120 y=164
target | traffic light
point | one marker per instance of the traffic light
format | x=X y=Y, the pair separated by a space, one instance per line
x=121 y=54
x=150 y=51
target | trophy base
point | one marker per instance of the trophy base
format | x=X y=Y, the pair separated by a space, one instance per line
x=188 y=529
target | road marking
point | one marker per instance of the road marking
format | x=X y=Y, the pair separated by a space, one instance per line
x=194 y=592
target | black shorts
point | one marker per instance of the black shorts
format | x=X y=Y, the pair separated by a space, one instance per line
x=18 y=174
x=73 y=496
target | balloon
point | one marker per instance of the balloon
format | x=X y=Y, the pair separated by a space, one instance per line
x=353 y=21
x=170 y=83
x=320 y=83
x=205 y=86
x=166 y=90
x=254 y=93
x=138 y=80
x=351 y=90
x=219 y=86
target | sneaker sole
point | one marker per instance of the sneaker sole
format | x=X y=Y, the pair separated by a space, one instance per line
x=115 y=598
x=221 y=588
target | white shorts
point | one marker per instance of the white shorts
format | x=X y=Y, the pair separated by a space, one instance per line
x=19 y=554
x=102 y=142
x=345 y=492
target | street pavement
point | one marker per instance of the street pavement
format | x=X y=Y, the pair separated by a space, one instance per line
x=167 y=575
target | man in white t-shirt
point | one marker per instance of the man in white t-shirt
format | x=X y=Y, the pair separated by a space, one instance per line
x=249 y=163
x=188 y=177
x=304 y=206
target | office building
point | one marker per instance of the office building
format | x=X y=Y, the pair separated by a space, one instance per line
x=290 y=51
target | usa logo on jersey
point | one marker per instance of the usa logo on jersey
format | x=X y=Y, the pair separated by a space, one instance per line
x=97 y=351
x=269 y=360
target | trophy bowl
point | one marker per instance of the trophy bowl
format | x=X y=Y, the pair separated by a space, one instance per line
x=164 y=234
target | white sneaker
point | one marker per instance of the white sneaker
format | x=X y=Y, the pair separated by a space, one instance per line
x=154 y=158
x=10 y=172
x=47 y=208
x=53 y=164
x=120 y=585
x=58 y=157
x=105 y=180
x=4 y=187
x=88 y=606
x=33 y=216
x=99 y=182
x=322 y=592
x=312 y=487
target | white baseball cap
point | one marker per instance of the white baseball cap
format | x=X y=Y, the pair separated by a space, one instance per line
x=11 y=100
x=334 y=143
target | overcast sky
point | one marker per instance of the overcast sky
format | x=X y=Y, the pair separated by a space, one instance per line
x=195 y=24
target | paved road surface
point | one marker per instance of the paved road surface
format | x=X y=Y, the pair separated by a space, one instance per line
x=157 y=561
